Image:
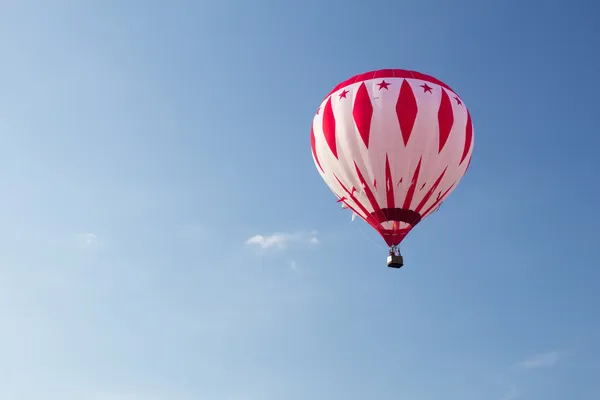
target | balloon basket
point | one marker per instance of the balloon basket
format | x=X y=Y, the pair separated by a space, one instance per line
x=394 y=259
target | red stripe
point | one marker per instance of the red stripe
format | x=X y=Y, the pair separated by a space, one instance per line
x=383 y=73
x=406 y=110
x=389 y=184
x=362 y=112
x=370 y=219
x=430 y=192
x=376 y=209
x=413 y=186
x=329 y=127
x=441 y=199
x=314 y=148
x=468 y=137
x=445 y=119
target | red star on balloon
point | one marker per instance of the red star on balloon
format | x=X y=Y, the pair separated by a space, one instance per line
x=383 y=85
x=426 y=88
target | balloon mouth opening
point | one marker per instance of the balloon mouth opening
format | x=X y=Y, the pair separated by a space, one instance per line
x=395 y=223
x=398 y=215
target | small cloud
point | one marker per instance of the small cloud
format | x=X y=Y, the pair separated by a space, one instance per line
x=544 y=360
x=282 y=240
x=87 y=241
x=275 y=240
x=293 y=265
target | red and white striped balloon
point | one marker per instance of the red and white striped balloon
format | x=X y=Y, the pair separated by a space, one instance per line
x=392 y=145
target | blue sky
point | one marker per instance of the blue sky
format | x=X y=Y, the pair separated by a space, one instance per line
x=144 y=143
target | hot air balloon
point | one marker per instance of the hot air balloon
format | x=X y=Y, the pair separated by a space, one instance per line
x=392 y=145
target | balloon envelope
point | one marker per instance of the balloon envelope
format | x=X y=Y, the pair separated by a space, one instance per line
x=392 y=145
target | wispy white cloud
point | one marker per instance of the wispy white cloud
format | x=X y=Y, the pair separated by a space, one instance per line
x=283 y=240
x=543 y=360
x=293 y=265
x=275 y=240
x=87 y=241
